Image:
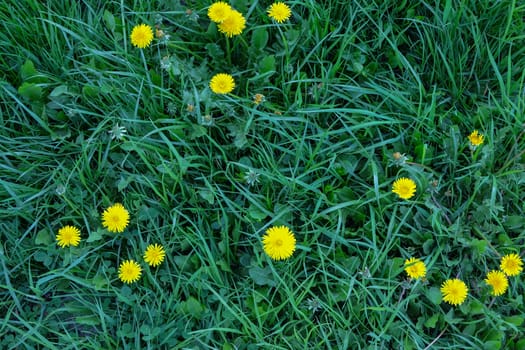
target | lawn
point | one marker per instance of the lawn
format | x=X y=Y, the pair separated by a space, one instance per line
x=336 y=174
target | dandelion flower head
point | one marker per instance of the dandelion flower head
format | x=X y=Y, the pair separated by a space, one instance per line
x=405 y=188
x=222 y=83
x=68 y=235
x=279 y=242
x=115 y=218
x=498 y=281
x=233 y=24
x=129 y=271
x=279 y=11
x=511 y=264
x=154 y=255
x=218 y=11
x=454 y=291
x=415 y=268
x=476 y=138
x=141 y=36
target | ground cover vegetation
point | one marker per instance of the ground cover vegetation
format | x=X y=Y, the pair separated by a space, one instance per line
x=262 y=175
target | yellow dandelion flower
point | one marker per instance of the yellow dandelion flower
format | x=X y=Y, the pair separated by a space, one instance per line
x=454 y=291
x=233 y=24
x=129 y=271
x=218 y=11
x=279 y=11
x=498 y=281
x=279 y=242
x=141 y=36
x=115 y=218
x=511 y=264
x=68 y=235
x=154 y=254
x=222 y=83
x=476 y=138
x=415 y=268
x=405 y=188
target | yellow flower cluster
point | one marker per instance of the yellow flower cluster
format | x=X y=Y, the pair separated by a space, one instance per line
x=455 y=291
x=130 y=270
x=279 y=242
x=229 y=21
x=115 y=219
x=510 y=265
x=404 y=187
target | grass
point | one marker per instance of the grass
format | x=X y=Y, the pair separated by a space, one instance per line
x=346 y=85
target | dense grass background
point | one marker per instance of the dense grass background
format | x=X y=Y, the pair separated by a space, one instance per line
x=347 y=84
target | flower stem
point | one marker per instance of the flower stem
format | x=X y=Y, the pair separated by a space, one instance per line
x=228 y=53
x=436 y=339
x=146 y=69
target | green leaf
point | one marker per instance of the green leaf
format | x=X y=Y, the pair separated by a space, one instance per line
x=397 y=266
x=480 y=246
x=261 y=276
x=88 y=320
x=109 y=20
x=227 y=346
x=58 y=91
x=255 y=213
x=175 y=68
x=515 y=320
x=192 y=307
x=267 y=64
x=214 y=50
x=207 y=195
x=30 y=91
x=99 y=282
x=28 y=70
x=123 y=183
x=147 y=213
x=515 y=222
x=197 y=131
x=43 y=237
x=152 y=334
x=259 y=38
x=126 y=296
x=424 y=153
x=43 y=257
x=224 y=266
x=126 y=330
x=476 y=308
x=431 y=322
x=492 y=345
x=95 y=236
x=90 y=91
x=520 y=344
x=434 y=295
x=450 y=319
